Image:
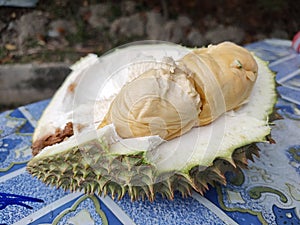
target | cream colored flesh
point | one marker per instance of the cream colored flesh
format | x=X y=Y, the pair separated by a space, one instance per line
x=169 y=102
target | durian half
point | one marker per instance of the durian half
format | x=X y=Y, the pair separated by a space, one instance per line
x=154 y=118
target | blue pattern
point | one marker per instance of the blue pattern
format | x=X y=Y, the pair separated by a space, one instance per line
x=51 y=216
x=288 y=109
x=179 y=211
x=10 y=124
x=36 y=109
x=293 y=153
x=286 y=216
x=25 y=185
x=10 y=199
x=26 y=127
x=239 y=217
x=5 y=145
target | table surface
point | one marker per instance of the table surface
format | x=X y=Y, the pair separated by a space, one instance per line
x=269 y=194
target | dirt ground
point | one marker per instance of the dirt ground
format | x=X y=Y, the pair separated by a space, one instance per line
x=257 y=19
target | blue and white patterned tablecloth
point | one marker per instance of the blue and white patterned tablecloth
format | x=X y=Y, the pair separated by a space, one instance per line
x=268 y=194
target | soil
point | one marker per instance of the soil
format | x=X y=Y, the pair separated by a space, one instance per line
x=257 y=18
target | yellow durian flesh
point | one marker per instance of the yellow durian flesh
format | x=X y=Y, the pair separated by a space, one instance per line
x=206 y=83
x=160 y=102
x=224 y=75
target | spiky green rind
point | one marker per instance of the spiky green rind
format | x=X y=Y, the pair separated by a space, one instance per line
x=92 y=170
x=91 y=167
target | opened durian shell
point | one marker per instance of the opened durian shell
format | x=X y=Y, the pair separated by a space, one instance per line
x=93 y=158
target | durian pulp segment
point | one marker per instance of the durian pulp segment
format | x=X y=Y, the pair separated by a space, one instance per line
x=224 y=75
x=159 y=102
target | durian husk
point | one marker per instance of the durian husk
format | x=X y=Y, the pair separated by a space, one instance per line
x=105 y=173
x=116 y=175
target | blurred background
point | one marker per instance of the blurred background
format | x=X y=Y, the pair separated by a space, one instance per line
x=40 y=39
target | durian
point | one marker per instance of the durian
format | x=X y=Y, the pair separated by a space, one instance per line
x=153 y=119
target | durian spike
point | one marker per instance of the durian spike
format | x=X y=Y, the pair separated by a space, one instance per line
x=252 y=150
x=270 y=139
x=239 y=157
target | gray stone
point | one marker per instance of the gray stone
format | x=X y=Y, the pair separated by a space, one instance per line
x=61 y=27
x=128 y=26
x=8 y=35
x=2 y=25
x=99 y=14
x=18 y=3
x=195 y=38
x=157 y=28
x=260 y=36
x=154 y=25
x=128 y=7
x=210 y=22
x=172 y=32
x=278 y=33
x=184 y=21
x=31 y=25
x=222 y=33
x=8 y=38
x=11 y=26
x=24 y=83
